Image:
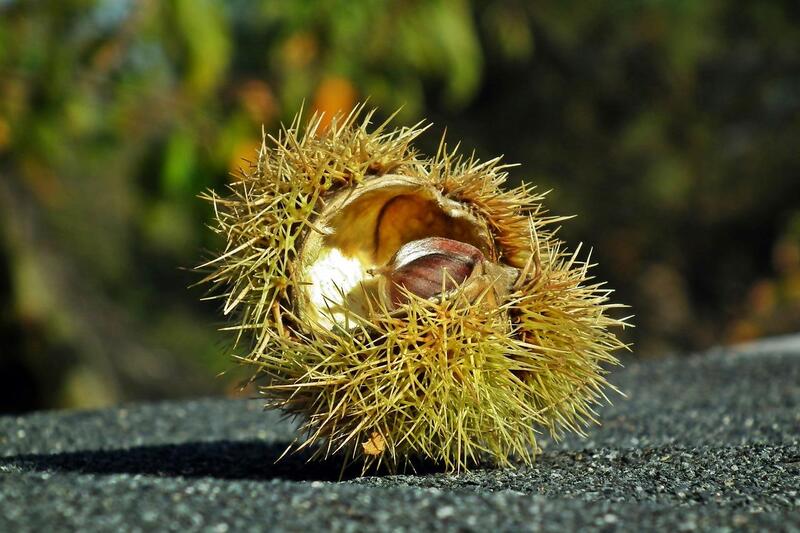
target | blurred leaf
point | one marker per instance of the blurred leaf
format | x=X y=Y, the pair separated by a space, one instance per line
x=5 y=134
x=510 y=25
x=259 y=101
x=203 y=26
x=169 y=229
x=299 y=50
x=440 y=36
x=84 y=388
x=179 y=164
x=669 y=183
x=334 y=95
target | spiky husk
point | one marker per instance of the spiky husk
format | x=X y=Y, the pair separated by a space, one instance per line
x=450 y=379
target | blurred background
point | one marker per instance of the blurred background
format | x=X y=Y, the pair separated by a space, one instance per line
x=671 y=127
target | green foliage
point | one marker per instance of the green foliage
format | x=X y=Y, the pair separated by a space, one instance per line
x=669 y=126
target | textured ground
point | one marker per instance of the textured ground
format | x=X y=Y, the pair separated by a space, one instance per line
x=711 y=442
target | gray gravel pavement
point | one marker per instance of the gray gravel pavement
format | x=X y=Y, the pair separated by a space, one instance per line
x=709 y=442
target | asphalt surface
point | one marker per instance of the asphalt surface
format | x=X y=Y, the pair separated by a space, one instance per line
x=708 y=442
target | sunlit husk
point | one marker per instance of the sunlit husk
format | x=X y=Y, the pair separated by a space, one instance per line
x=453 y=379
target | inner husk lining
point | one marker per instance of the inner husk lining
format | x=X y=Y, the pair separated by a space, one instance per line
x=362 y=229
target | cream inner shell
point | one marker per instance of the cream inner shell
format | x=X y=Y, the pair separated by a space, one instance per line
x=361 y=229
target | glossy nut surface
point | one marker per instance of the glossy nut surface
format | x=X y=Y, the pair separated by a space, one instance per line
x=427 y=267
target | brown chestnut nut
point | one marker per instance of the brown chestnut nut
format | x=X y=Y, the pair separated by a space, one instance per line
x=427 y=267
